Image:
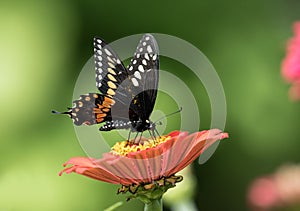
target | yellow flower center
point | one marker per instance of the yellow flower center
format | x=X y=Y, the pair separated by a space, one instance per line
x=125 y=147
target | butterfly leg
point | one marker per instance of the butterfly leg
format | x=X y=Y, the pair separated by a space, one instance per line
x=129 y=135
x=151 y=135
x=134 y=140
x=140 y=137
x=156 y=132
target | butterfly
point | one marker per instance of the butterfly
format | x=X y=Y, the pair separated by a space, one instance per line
x=127 y=94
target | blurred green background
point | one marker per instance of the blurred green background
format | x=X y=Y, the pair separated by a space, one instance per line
x=44 y=45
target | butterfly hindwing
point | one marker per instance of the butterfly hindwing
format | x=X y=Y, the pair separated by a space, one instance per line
x=91 y=109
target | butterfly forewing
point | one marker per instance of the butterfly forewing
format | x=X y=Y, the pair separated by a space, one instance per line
x=110 y=71
x=127 y=94
x=136 y=94
x=144 y=76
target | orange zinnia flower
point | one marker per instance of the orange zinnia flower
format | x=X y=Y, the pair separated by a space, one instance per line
x=149 y=165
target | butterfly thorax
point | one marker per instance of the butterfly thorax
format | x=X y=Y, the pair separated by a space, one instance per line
x=141 y=126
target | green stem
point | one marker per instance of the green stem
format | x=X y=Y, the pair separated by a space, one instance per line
x=154 y=205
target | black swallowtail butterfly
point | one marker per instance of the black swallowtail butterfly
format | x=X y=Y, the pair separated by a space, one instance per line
x=127 y=95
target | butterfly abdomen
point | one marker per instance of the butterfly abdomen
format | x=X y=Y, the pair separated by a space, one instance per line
x=118 y=124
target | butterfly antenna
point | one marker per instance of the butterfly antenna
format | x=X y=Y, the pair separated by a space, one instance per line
x=159 y=123
x=55 y=112
x=164 y=117
x=58 y=112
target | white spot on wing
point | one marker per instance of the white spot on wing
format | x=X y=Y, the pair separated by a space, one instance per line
x=141 y=68
x=137 y=75
x=99 y=77
x=135 y=82
x=141 y=49
x=111 y=65
x=147 y=56
x=109 y=59
x=147 y=38
x=131 y=68
x=154 y=57
x=149 y=49
x=144 y=62
x=107 y=52
x=134 y=61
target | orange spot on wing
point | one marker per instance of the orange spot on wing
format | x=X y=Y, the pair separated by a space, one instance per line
x=97 y=110
x=108 y=102
x=99 y=120
x=101 y=115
